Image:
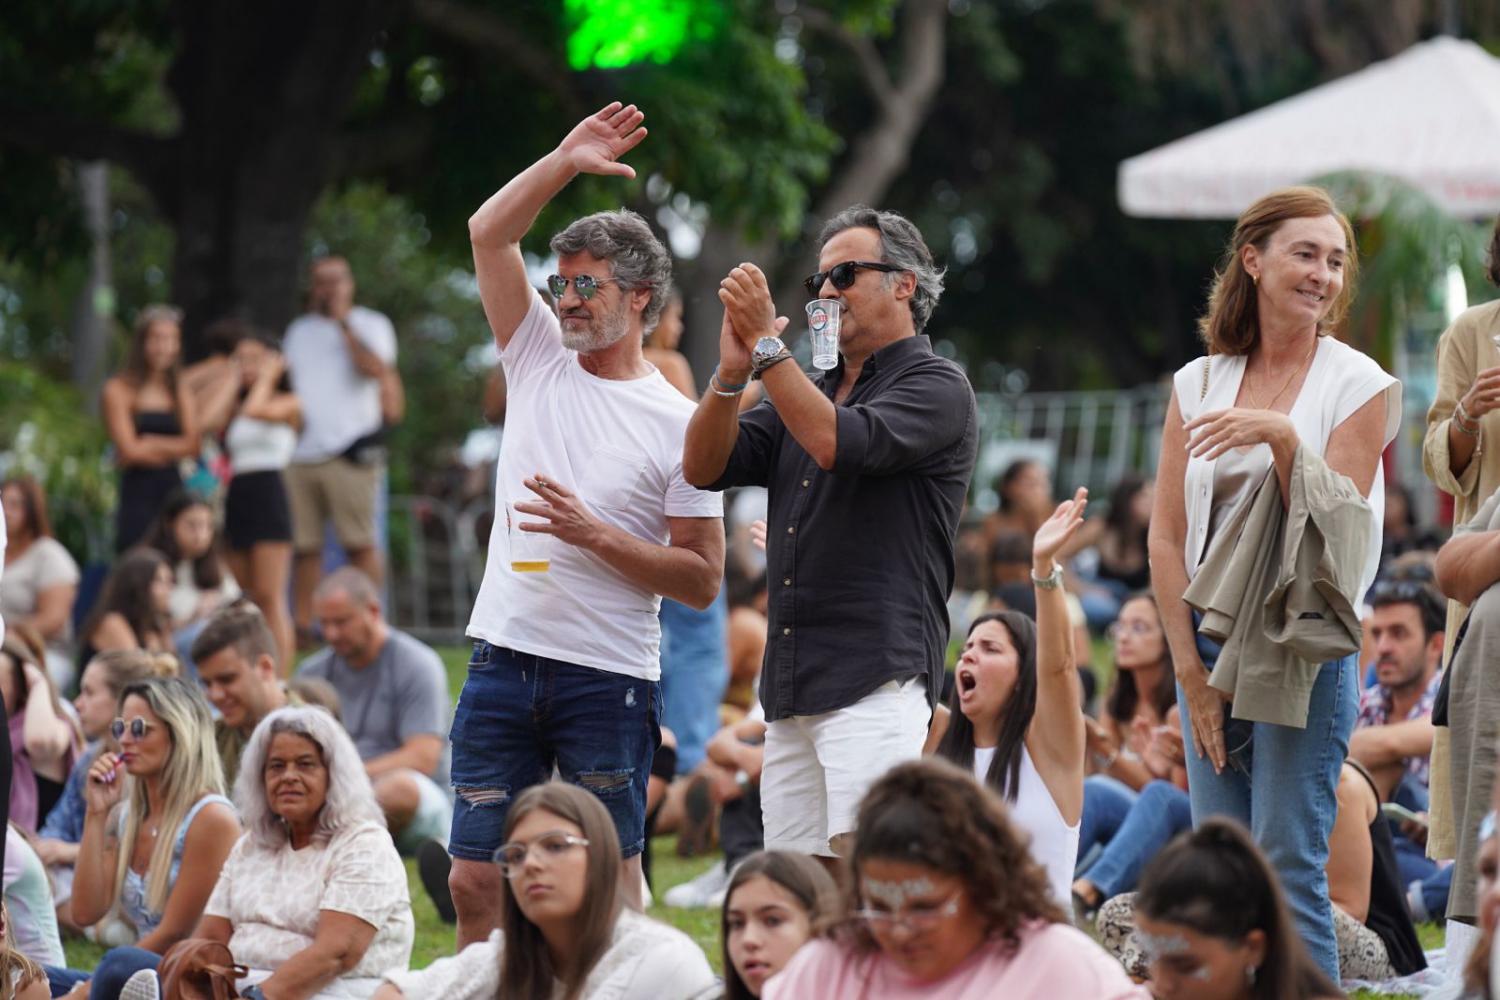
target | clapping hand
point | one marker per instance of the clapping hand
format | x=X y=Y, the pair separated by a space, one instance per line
x=1484 y=395
x=747 y=303
x=1057 y=529
x=596 y=144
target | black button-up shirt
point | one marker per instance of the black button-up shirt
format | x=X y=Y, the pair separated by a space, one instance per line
x=859 y=560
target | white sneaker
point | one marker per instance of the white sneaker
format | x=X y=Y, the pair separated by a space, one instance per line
x=141 y=986
x=705 y=891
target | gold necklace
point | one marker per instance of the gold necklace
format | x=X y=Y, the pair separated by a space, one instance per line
x=1285 y=385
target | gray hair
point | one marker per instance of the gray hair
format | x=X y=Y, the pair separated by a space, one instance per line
x=901 y=244
x=351 y=799
x=350 y=580
x=625 y=240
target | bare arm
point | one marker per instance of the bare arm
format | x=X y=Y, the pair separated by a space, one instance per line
x=1376 y=746
x=54 y=606
x=214 y=928
x=418 y=753
x=46 y=736
x=1468 y=565
x=216 y=388
x=209 y=841
x=98 y=848
x=130 y=447
x=594 y=146
x=114 y=632
x=1056 y=735
x=366 y=361
x=265 y=402
x=715 y=426
x=1350 y=853
x=339 y=942
x=689 y=568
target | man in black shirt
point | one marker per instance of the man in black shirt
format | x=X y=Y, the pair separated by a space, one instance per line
x=867 y=468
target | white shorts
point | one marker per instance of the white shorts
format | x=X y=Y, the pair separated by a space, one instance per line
x=818 y=767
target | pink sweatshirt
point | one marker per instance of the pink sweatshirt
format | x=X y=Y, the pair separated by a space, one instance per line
x=1054 y=961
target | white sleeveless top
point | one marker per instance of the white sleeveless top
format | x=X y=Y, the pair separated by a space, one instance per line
x=257 y=445
x=1339 y=382
x=1054 y=844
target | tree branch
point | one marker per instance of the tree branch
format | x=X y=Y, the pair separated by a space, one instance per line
x=871 y=65
x=61 y=134
x=482 y=29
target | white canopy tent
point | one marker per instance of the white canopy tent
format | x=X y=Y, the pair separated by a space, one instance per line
x=1429 y=116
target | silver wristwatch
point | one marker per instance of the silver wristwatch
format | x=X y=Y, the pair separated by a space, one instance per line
x=1051 y=581
x=768 y=351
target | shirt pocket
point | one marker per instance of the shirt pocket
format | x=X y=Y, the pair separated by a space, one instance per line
x=612 y=478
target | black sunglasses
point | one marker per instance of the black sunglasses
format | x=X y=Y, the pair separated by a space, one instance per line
x=585 y=285
x=843 y=275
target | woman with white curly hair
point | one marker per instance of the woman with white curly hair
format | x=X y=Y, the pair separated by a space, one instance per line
x=314 y=889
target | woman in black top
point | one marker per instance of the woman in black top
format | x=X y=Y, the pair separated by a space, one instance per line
x=151 y=420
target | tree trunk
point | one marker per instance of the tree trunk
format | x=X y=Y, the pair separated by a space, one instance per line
x=263 y=89
x=94 y=304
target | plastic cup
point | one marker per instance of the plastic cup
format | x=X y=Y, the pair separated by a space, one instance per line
x=823 y=330
x=530 y=551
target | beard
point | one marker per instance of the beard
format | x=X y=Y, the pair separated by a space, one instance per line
x=599 y=332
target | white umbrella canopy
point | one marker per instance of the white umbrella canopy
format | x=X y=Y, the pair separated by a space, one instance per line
x=1429 y=116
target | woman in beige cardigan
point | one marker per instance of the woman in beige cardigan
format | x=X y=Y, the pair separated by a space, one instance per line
x=1461 y=458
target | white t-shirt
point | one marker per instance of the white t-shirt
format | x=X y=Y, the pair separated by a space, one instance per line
x=339 y=405
x=617 y=445
x=1339 y=382
x=257 y=445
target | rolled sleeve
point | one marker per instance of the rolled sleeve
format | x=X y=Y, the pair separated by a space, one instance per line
x=906 y=427
x=1455 y=373
x=754 y=449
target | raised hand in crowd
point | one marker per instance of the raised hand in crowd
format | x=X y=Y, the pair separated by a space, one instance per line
x=758 y=534
x=596 y=144
x=1056 y=530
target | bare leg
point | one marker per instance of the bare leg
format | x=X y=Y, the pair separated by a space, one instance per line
x=399 y=799
x=476 y=898
x=368 y=561
x=270 y=567
x=631 y=882
x=306 y=571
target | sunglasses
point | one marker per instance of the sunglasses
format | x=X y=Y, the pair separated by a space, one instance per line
x=586 y=285
x=843 y=275
x=138 y=727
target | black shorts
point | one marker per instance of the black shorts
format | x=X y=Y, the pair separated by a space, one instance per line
x=256 y=510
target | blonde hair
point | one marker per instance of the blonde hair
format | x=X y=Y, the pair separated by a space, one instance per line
x=192 y=771
x=13 y=962
x=1231 y=324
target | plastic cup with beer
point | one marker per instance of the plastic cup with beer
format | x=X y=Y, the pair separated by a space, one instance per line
x=823 y=329
x=530 y=551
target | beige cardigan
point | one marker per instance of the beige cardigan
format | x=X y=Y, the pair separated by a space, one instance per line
x=1464 y=350
x=1279 y=589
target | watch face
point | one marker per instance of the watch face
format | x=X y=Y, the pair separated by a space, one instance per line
x=768 y=347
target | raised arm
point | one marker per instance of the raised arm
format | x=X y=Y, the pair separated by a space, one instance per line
x=1056 y=735
x=593 y=147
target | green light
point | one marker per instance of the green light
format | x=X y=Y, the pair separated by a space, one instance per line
x=610 y=34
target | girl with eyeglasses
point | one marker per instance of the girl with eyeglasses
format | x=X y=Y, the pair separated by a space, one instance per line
x=946 y=904
x=565 y=931
x=776 y=901
x=156 y=830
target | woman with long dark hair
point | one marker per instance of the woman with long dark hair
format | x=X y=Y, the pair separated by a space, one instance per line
x=1214 y=923
x=1016 y=711
x=946 y=903
x=131 y=612
x=565 y=930
x=184 y=534
x=151 y=419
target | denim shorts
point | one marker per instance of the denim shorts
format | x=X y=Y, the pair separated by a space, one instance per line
x=519 y=715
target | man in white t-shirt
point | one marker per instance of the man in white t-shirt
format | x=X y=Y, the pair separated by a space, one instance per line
x=342 y=362
x=566 y=669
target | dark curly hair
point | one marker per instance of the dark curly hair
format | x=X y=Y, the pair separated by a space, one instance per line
x=128 y=591
x=931 y=813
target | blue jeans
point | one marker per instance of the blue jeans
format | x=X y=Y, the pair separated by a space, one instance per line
x=1106 y=803
x=1160 y=812
x=518 y=715
x=694 y=671
x=105 y=982
x=1281 y=786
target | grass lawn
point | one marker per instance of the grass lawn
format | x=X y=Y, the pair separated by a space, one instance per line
x=434 y=939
